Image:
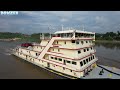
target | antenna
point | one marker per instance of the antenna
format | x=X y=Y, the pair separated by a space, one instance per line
x=83 y=28
x=62 y=27
x=69 y=28
x=49 y=29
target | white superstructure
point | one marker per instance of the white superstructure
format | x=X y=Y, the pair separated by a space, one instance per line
x=70 y=52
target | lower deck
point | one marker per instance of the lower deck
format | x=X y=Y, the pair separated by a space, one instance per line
x=99 y=72
x=44 y=63
x=103 y=72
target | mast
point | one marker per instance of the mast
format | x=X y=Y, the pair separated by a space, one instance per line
x=83 y=28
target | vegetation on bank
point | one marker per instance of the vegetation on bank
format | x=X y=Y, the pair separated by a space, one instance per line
x=107 y=37
x=8 y=36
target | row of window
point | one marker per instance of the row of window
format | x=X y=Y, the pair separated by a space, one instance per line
x=86 y=60
x=58 y=50
x=77 y=42
x=65 y=61
x=82 y=42
x=87 y=49
x=38 y=46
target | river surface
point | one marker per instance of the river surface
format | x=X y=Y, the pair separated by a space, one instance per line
x=12 y=67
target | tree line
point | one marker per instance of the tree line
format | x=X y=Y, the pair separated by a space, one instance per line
x=36 y=36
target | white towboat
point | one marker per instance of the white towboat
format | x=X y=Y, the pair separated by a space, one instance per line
x=69 y=53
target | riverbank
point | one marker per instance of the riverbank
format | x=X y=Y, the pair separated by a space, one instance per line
x=27 y=39
x=106 y=41
x=10 y=39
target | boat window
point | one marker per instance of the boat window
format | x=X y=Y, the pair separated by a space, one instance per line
x=91 y=48
x=60 y=59
x=84 y=50
x=51 y=57
x=93 y=57
x=55 y=58
x=79 y=52
x=82 y=42
x=81 y=63
x=65 y=42
x=77 y=42
x=87 y=49
x=84 y=62
x=74 y=63
x=64 y=61
x=87 y=60
x=86 y=41
x=68 y=61
x=73 y=41
x=57 y=42
x=53 y=49
x=58 y=35
x=58 y=50
x=36 y=54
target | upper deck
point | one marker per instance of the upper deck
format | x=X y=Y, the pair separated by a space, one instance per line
x=71 y=34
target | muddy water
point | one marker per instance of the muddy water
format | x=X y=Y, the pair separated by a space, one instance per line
x=12 y=67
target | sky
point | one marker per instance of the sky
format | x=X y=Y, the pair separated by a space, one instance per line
x=29 y=22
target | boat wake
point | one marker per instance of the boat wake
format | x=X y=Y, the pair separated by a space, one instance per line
x=7 y=54
x=6 y=51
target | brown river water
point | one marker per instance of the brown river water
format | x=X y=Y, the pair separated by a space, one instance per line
x=12 y=67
